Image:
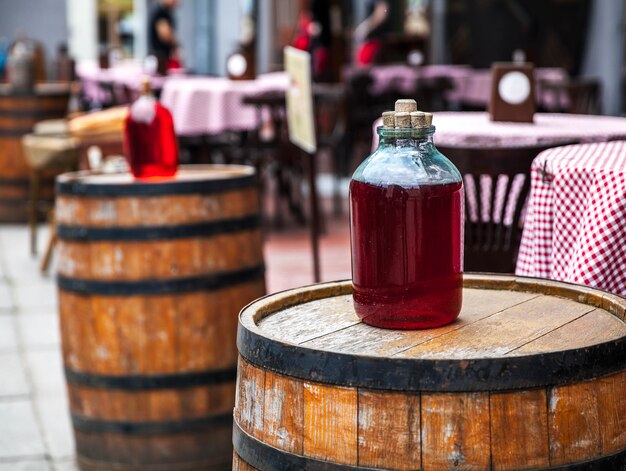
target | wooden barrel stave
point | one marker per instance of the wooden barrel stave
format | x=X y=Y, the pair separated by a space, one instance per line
x=289 y=422
x=18 y=115
x=94 y=343
x=182 y=258
x=136 y=278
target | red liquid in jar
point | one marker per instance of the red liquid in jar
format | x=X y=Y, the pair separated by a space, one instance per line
x=151 y=148
x=407 y=255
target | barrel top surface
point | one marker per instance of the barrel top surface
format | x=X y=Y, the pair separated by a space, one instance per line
x=505 y=322
x=188 y=179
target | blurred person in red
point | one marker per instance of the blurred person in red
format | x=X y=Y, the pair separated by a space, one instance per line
x=162 y=34
x=313 y=35
x=370 y=33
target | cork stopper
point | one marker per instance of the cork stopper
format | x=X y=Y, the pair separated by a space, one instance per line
x=403 y=119
x=418 y=119
x=389 y=119
x=406 y=106
x=146 y=88
x=428 y=117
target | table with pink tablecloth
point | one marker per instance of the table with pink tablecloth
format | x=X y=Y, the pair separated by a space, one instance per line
x=471 y=87
x=575 y=227
x=128 y=73
x=402 y=77
x=211 y=105
x=475 y=129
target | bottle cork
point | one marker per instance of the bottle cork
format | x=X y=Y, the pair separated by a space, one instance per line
x=418 y=119
x=428 y=117
x=389 y=119
x=406 y=105
x=403 y=119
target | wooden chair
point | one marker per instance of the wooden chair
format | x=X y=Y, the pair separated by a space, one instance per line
x=578 y=96
x=491 y=238
x=46 y=155
x=275 y=157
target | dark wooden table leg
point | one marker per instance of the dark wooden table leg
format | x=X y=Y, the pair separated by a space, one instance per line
x=45 y=262
x=315 y=222
x=32 y=210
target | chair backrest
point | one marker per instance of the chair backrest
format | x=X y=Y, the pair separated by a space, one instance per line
x=578 y=96
x=497 y=183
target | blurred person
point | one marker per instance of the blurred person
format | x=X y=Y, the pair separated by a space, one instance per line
x=370 y=34
x=313 y=35
x=162 y=34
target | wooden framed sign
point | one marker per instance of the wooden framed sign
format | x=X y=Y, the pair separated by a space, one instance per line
x=512 y=92
x=300 y=118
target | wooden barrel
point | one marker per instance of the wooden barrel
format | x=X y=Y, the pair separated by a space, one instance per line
x=531 y=376
x=18 y=115
x=151 y=278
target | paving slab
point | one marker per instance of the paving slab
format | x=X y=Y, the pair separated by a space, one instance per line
x=66 y=465
x=19 y=434
x=53 y=413
x=25 y=465
x=6 y=299
x=14 y=381
x=39 y=329
x=8 y=334
x=35 y=294
x=46 y=370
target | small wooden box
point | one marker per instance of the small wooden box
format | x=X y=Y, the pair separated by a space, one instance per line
x=512 y=92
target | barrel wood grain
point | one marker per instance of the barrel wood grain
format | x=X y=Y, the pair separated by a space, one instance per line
x=455 y=431
x=241 y=465
x=18 y=115
x=574 y=423
x=590 y=329
x=364 y=339
x=519 y=430
x=149 y=294
x=167 y=210
x=119 y=334
x=503 y=332
x=249 y=398
x=330 y=423
x=612 y=412
x=188 y=257
x=283 y=413
x=301 y=419
x=389 y=430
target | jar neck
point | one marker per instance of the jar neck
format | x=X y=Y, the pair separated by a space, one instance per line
x=405 y=137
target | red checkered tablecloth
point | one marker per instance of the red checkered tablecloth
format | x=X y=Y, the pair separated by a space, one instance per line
x=575 y=228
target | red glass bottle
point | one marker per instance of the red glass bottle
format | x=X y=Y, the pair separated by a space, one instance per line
x=406 y=203
x=150 y=140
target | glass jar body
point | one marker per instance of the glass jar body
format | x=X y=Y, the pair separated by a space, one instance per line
x=150 y=140
x=406 y=206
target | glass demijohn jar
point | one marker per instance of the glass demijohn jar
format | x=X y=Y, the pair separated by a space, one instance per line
x=406 y=226
x=150 y=140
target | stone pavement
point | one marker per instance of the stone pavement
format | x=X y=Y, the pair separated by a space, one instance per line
x=35 y=430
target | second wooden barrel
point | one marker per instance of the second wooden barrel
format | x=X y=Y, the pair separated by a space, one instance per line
x=18 y=115
x=151 y=276
x=531 y=376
